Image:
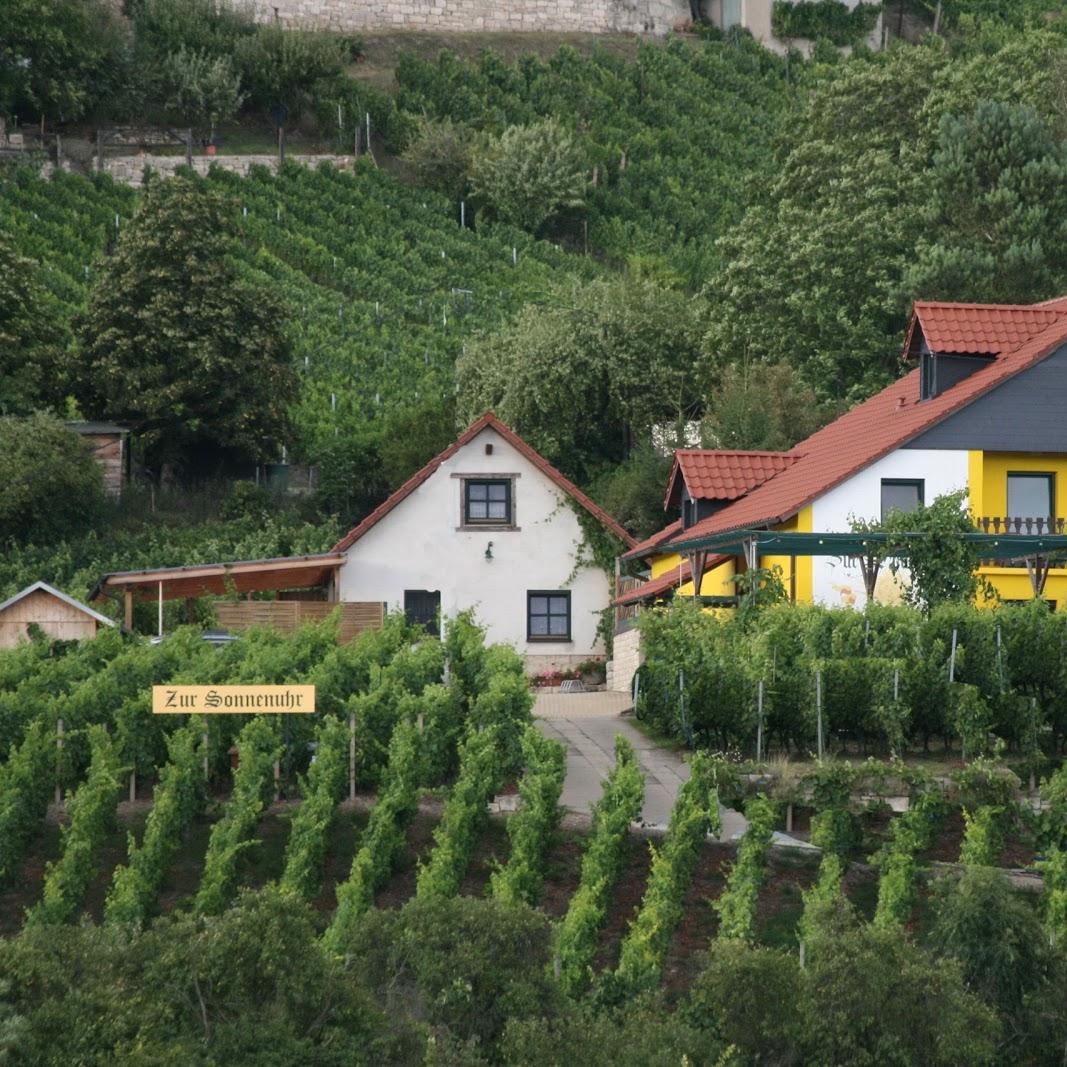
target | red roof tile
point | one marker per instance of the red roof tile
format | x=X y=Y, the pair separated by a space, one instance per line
x=648 y=546
x=980 y=329
x=863 y=435
x=721 y=474
x=488 y=420
x=667 y=581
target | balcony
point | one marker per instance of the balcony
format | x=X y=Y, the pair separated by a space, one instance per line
x=996 y=524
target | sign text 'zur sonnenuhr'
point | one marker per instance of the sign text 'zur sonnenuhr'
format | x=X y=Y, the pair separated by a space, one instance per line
x=232 y=699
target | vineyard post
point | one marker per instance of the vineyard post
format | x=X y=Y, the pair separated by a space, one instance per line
x=952 y=657
x=133 y=783
x=462 y=214
x=277 y=780
x=818 y=713
x=205 y=757
x=59 y=760
x=352 y=756
x=189 y=147
x=759 y=721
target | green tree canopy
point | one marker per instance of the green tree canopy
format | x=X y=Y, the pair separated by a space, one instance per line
x=996 y=210
x=31 y=337
x=52 y=485
x=59 y=57
x=176 y=343
x=582 y=374
x=529 y=174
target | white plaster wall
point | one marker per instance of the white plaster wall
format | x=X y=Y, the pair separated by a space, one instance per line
x=418 y=546
x=834 y=583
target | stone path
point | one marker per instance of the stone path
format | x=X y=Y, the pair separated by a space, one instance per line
x=586 y=723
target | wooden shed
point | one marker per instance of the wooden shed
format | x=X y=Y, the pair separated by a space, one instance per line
x=107 y=442
x=57 y=614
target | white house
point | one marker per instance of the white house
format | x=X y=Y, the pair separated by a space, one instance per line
x=491 y=525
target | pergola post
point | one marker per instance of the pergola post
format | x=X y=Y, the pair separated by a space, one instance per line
x=698 y=558
x=1037 y=567
x=869 y=568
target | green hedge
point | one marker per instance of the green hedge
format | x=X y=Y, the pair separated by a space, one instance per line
x=827 y=19
x=887 y=677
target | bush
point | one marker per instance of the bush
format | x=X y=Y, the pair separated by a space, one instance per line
x=529 y=174
x=473 y=966
x=531 y=828
x=92 y=816
x=52 y=485
x=737 y=904
x=440 y=155
x=620 y=805
x=695 y=812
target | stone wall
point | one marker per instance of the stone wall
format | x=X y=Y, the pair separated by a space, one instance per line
x=130 y=169
x=626 y=658
x=551 y=16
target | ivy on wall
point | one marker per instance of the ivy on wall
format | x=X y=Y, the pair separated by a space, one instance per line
x=829 y=19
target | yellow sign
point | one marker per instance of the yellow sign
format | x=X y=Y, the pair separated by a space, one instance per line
x=232 y=699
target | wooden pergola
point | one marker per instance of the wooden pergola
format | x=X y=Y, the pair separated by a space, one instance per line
x=1037 y=551
x=220 y=579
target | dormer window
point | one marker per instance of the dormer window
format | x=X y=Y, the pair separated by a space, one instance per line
x=487 y=502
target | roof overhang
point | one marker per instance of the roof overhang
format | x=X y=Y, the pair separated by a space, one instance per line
x=219 y=579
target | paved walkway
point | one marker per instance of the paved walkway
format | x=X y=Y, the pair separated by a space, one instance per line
x=587 y=724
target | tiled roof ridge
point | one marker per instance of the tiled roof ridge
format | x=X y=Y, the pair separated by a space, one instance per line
x=487 y=421
x=653 y=541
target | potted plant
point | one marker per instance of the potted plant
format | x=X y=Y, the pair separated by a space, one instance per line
x=592 y=672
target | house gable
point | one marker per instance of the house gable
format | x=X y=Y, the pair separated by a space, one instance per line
x=1025 y=414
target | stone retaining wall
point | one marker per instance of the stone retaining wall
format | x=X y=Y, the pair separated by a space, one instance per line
x=130 y=169
x=545 y=16
x=626 y=658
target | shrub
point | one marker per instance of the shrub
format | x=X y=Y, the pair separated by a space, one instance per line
x=305 y=854
x=910 y=834
x=529 y=174
x=481 y=774
x=737 y=904
x=178 y=797
x=26 y=783
x=983 y=838
x=384 y=839
x=531 y=828
x=695 y=812
x=52 y=485
x=258 y=746
x=92 y=815
x=440 y=155
x=618 y=807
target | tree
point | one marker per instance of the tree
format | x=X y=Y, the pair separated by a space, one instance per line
x=52 y=485
x=942 y=567
x=529 y=174
x=440 y=155
x=198 y=88
x=996 y=212
x=996 y=938
x=176 y=343
x=632 y=491
x=871 y=997
x=31 y=337
x=586 y=372
x=280 y=68
x=59 y=57
x=761 y=405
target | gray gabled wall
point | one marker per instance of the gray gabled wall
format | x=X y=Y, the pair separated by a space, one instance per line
x=1028 y=413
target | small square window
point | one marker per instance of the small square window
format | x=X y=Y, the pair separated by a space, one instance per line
x=901 y=494
x=548 y=616
x=486 y=503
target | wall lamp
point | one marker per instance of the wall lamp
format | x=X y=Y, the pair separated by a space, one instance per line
x=489 y=552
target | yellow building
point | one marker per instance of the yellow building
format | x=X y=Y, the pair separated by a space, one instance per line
x=983 y=410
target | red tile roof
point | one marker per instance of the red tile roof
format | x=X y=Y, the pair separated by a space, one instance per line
x=721 y=474
x=487 y=421
x=648 y=546
x=657 y=587
x=980 y=329
x=865 y=434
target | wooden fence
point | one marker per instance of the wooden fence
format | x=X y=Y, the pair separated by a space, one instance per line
x=286 y=615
